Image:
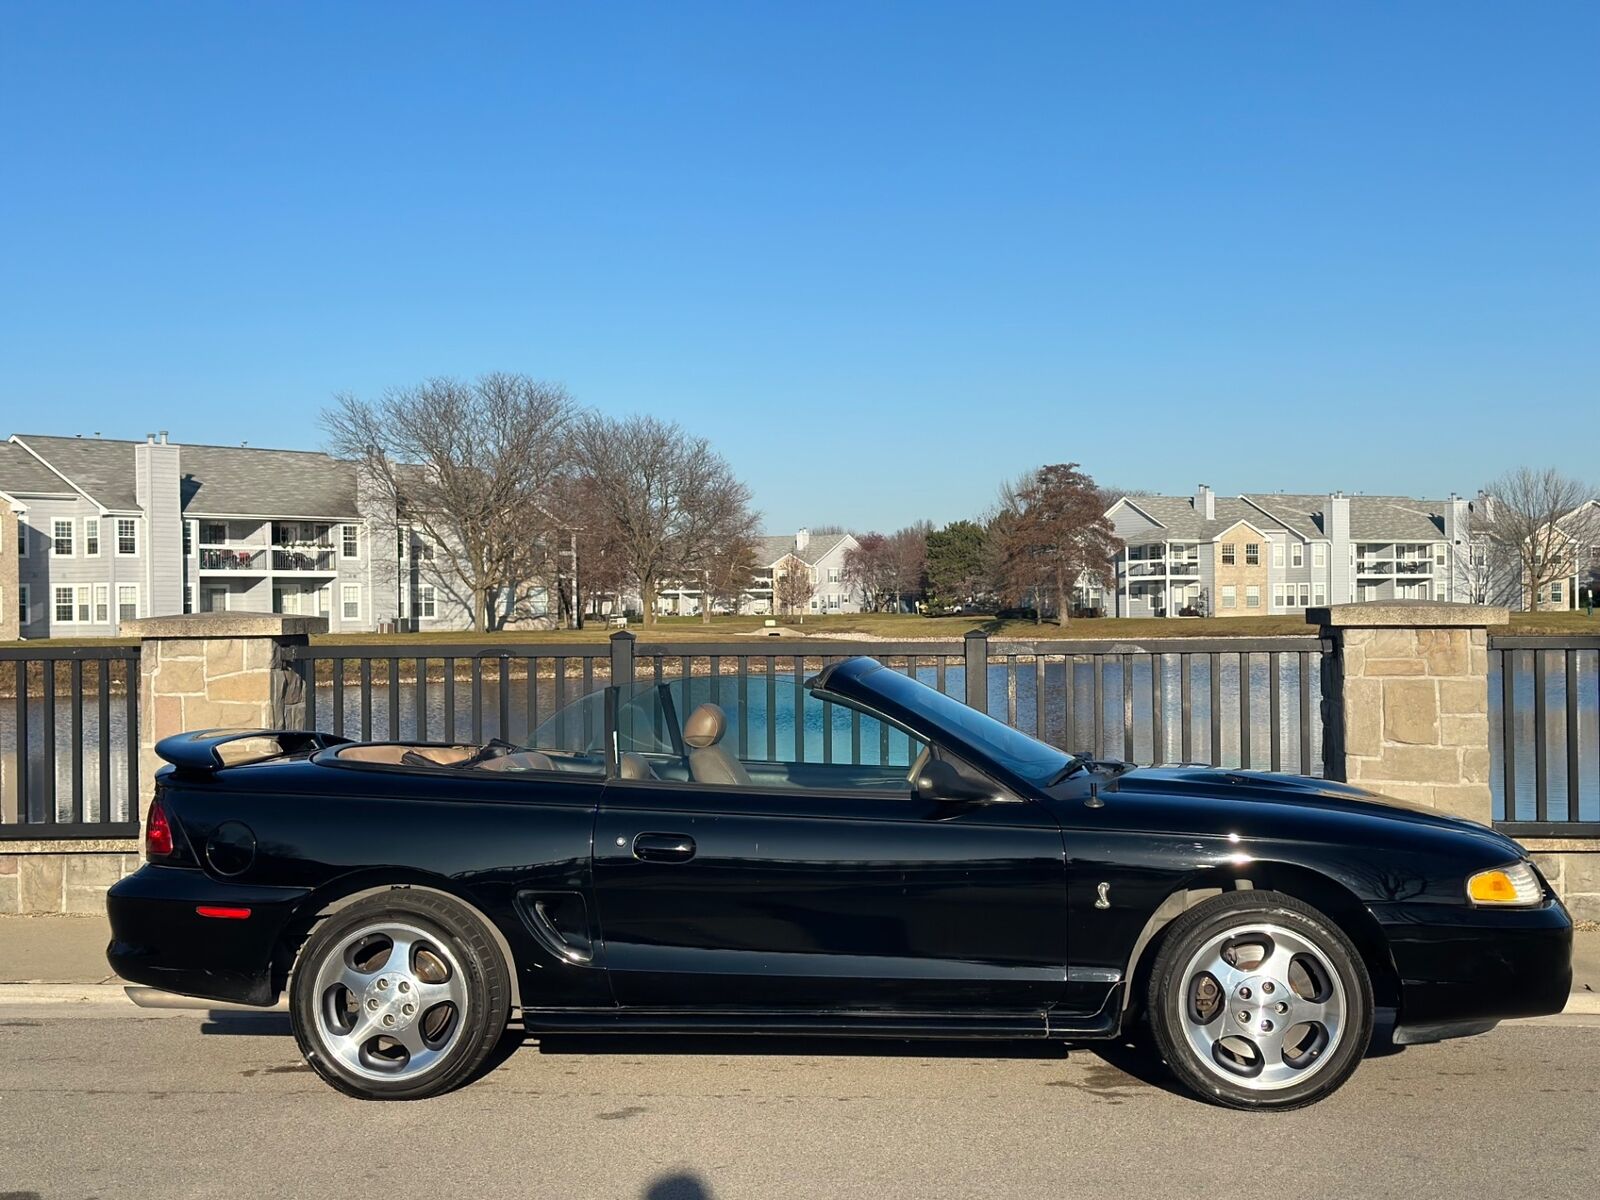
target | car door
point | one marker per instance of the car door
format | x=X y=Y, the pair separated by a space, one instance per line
x=774 y=896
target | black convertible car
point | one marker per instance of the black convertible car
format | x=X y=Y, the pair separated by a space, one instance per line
x=629 y=872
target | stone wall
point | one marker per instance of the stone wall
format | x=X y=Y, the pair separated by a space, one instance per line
x=1572 y=865
x=48 y=877
x=1407 y=701
x=203 y=671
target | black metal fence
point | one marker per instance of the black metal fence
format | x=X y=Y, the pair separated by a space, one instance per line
x=1236 y=702
x=1544 y=734
x=69 y=742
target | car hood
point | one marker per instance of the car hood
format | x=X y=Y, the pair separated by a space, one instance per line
x=1294 y=791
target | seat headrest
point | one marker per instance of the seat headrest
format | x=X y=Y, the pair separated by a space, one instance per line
x=634 y=766
x=705 y=726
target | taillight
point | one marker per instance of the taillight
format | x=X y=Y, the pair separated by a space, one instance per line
x=157 y=833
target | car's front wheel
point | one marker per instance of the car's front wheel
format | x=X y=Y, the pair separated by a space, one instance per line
x=1257 y=1000
x=400 y=996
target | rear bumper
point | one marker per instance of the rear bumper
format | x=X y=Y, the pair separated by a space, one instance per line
x=1460 y=966
x=160 y=940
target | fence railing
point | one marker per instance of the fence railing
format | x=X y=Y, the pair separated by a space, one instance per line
x=69 y=742
x=1235 y=702
x=1544 y=734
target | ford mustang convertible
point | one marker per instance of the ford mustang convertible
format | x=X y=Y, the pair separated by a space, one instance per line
x=638 y=868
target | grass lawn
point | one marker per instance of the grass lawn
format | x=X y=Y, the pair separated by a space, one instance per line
x=902 y=626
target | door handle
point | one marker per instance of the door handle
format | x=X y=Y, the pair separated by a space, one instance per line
x=664 y=847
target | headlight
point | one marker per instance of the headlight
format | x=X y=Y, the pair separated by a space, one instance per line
x=1516 y=885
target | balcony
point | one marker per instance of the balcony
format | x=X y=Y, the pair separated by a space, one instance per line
x=1387 y=567
x=231 y=558
x=1145 y=568
x=304 y=562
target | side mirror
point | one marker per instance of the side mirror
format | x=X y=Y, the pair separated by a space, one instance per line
x=942 y=782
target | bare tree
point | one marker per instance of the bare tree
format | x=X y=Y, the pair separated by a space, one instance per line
x=909 y=549
x=791 y=586
x=869 y=566
x=668 y=502
x=1055 y=535
x=468 y=464
x=727 y=571
x=1538 y=527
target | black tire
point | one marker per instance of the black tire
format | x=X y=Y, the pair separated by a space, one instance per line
x=486 y=987
x=1219 y=1077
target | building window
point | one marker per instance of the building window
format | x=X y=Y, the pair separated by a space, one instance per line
x=1438 y=554
x=64 y=606
x=127 y=601
x=1369 y=591
x=102 y=604
x=1252 y=554
x=1227 y=554
x=1277 y=554
x=22 y=539
x=1297 y=555
x=24 y=596
x=85 y=601
x=1555 y=592
x=1305 y=594
x=349 y=541
x=188 y=597
x=91 y=537
x=1319 y=554
x=429 y=608
x=350 y=607
x=61 y=539
x=127 y=538
x=1252 y=596
x=1230 y=597
x=1277 y=597
x=833 y=574
x=1319 y=595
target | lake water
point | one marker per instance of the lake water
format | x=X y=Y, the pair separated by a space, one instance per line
x=765 y=720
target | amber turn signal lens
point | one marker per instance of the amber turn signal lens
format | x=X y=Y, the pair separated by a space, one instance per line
x=1516 y=884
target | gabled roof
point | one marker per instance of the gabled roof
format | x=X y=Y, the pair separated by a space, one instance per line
x=773 y=548
x=21 y=474
x=236 y=480
x=1372 y=518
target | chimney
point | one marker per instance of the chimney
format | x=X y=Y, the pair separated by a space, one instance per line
x=802 y=539
x=163 y=437
x=158 y=487
x=1341 y=572
x=1205 y=502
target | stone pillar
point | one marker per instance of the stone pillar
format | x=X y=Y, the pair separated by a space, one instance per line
x=216 y=671
x=1406 y=701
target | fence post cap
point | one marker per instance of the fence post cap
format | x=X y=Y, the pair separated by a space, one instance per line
x=1386 y=614
x=623 y=635
x=225 y=625
x=977 y=633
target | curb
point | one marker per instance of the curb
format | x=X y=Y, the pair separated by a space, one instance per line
x=64 y=993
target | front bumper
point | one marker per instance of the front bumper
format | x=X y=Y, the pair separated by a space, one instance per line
x=1461 y=966
x=159 y=939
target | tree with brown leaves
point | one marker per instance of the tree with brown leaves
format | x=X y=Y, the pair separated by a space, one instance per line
x=1053 y=534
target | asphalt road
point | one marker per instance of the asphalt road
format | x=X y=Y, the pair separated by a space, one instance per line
x=184 y=1104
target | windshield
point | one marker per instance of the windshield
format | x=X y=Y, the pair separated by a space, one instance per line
x=1012 y=749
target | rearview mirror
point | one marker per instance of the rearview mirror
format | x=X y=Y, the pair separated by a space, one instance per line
x=945 y=783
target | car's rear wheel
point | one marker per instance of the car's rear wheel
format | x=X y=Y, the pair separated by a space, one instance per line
x=1257 y=1000
x=400 y=996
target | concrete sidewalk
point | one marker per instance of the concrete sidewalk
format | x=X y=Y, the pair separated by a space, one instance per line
x=72 y=950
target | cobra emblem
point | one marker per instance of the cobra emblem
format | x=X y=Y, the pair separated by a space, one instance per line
x=1103 y=896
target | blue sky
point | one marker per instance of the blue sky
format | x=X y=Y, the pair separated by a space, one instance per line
x=883 y=255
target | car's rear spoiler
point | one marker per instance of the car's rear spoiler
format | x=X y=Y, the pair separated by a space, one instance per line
x=213 y=749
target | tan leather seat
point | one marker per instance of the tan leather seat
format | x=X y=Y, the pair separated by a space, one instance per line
x=635 y=766
x=709 y=760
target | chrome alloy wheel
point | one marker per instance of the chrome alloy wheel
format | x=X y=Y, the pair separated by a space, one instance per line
x=1262 y=1006
x=390 y=1001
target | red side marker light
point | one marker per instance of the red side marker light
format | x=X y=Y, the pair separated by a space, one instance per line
x=157 y=833
x=223 y=914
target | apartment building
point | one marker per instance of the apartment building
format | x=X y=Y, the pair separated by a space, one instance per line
x=1277 y=553
x=821 y=557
